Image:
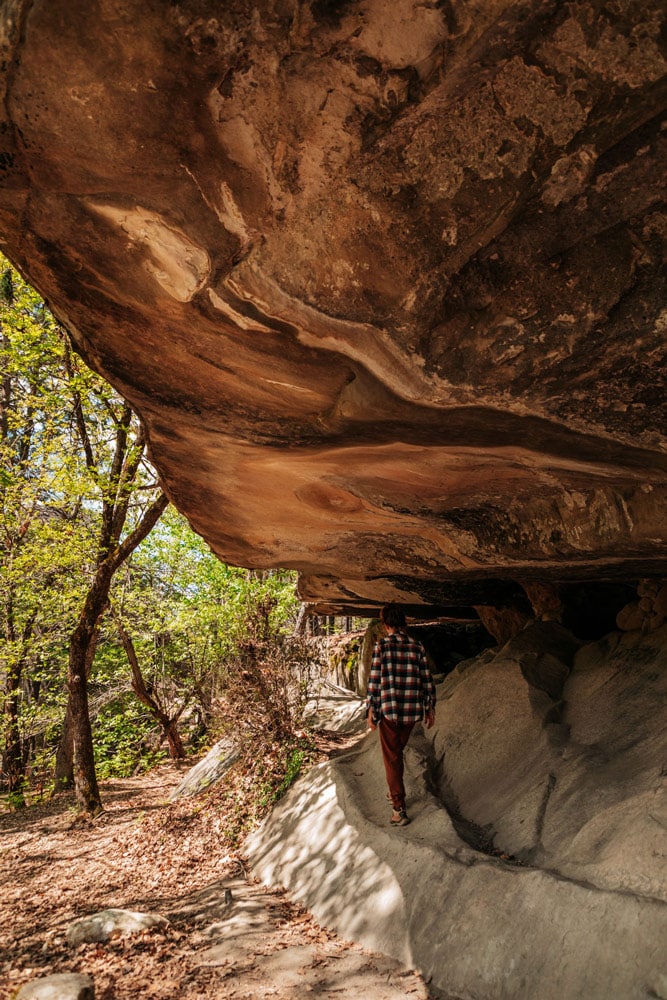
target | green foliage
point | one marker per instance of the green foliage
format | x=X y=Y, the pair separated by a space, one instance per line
x=193 y=620
x=265 y=687
x=188 y=611
x=254 y=784
x=59 y=428
x=295 y=758
x=16 y=799
x=126 y=739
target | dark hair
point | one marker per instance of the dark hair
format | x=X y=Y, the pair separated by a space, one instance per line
x=392 y=616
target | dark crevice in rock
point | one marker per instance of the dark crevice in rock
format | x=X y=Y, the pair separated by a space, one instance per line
x=479 y=838
x=330 y=11
x=498 y=593
x=542 y=811
x=592 y=887
x=590 y=608
x=450 y=643
x=546 y=673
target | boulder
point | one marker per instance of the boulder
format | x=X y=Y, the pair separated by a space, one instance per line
x=374 y=631
x=631 y=617
x=660 y=601
x=110 y=924
x=502 y=623
x=62 y=986
x=208 y=770
x=342 y=659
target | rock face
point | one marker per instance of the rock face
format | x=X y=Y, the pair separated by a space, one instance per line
x=208 y=770
x=569 y=779
x=383 y=280
x=534 y=865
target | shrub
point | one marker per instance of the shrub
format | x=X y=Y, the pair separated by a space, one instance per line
x=126 y=739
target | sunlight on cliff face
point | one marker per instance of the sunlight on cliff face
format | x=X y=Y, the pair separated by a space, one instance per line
x=346 y=879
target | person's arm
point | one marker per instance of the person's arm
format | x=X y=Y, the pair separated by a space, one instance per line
x=373 y=699
x=428 y=692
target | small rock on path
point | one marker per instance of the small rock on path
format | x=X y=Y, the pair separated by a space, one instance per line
x=65 y=986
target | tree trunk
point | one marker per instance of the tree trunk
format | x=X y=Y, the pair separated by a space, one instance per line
x=64 y=776
x=301 y=623
x=85 y=780
x=169 y=724
x=12 y=757
x=82 y=647
x=174 y=741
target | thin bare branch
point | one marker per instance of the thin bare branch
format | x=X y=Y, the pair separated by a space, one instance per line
x=142 y=530
x=78 y=412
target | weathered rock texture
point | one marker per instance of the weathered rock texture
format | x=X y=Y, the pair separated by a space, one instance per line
x=383 y=279
x=208 y=770
x=535 y=862
x=568 y=769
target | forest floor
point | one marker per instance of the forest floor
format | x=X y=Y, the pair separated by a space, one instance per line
x=228 y=936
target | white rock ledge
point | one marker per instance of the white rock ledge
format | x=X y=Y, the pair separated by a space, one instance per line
x=475 y=925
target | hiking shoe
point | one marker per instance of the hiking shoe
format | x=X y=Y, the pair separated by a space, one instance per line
x=399 y=817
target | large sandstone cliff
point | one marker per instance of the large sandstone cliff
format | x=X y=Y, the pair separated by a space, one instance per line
x=544 y=877
x=382 y=279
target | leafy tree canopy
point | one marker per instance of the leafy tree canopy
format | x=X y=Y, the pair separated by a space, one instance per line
x=61 y=487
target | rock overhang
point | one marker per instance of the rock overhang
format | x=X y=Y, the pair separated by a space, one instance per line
x=384 y=283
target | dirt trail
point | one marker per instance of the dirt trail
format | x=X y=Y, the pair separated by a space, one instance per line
x=228 y=936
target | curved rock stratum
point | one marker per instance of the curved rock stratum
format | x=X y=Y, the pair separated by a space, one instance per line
x=383 y=280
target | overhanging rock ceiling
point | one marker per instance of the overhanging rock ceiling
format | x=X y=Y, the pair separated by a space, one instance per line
x=383 y=279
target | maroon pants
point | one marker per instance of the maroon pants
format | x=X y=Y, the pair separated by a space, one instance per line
x=393 y=738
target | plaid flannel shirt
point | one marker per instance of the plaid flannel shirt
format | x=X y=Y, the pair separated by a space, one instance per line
x=400 y=686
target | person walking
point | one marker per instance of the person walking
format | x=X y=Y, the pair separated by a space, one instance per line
x=401 y=693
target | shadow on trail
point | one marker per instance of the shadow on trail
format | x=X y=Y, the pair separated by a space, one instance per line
x=227 y=936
